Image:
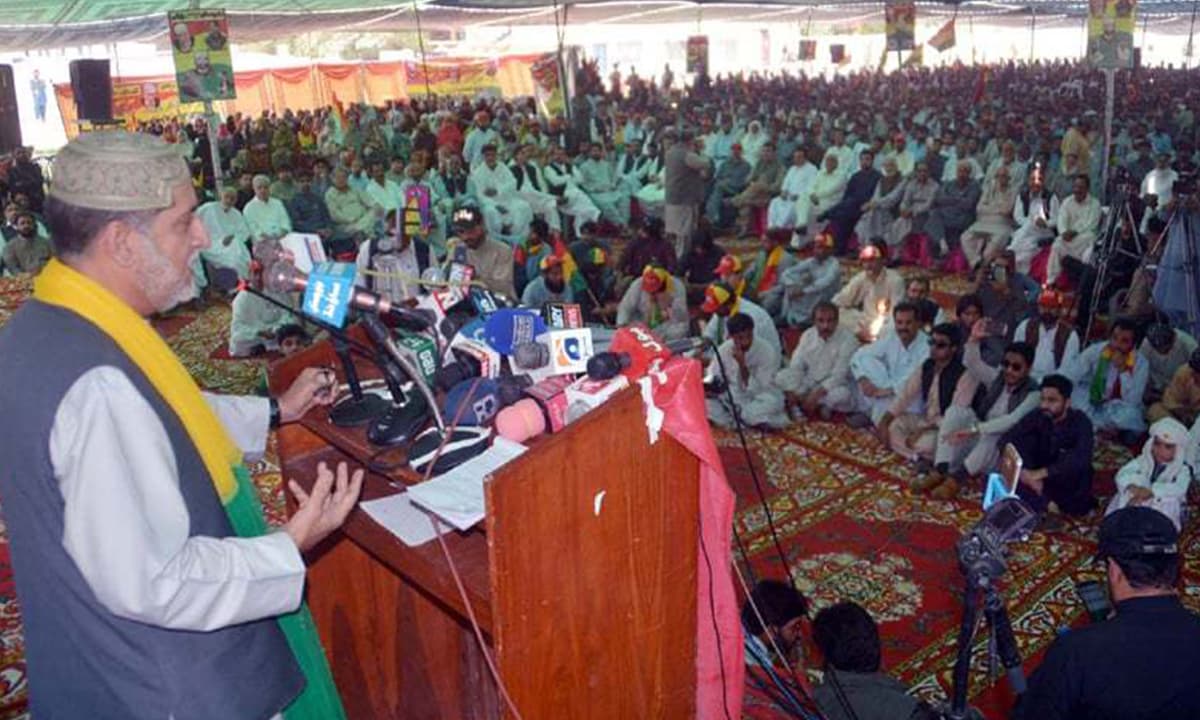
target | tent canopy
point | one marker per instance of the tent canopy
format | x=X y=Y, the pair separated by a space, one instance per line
x=36 y=24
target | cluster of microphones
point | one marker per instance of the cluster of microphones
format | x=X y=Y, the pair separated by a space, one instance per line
x=461 y=364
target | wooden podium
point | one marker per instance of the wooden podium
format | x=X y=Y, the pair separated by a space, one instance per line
x=582 y=578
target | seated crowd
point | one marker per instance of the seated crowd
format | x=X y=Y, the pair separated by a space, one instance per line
x=619 y=208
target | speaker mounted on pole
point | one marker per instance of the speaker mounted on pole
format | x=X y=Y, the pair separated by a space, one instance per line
x=10 y=119
x=91 y=84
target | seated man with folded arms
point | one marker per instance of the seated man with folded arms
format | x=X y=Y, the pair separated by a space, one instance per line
x=880 y=369
x=1160 y=476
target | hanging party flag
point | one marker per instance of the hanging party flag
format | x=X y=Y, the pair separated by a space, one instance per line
x=808 y=49
x=943 y=39
x=837 y=54
x=900 y=22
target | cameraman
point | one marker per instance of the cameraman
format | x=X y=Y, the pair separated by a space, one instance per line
x=1142 y=663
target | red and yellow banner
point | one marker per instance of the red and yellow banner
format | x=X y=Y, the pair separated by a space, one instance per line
x=466 y=78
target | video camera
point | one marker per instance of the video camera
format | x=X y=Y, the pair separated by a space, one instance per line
x=982 y=549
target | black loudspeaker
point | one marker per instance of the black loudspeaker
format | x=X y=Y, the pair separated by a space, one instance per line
x=92 y=86
x=10 y=121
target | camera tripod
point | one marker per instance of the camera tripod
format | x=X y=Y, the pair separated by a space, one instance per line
x=1109 y=247
x=1182 y=217
x=1002 y=646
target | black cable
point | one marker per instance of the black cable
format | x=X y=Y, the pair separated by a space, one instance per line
x=762 y=497
x=840 y=693
x=712 y=607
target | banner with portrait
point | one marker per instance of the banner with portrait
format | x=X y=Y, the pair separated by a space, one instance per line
x=900 y=23
x=808 y=49
x=1110 y=33
x=697 y=54
x=200 y=48
x=547 y=85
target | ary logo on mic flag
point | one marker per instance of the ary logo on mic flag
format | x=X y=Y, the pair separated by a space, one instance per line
x=327 y=296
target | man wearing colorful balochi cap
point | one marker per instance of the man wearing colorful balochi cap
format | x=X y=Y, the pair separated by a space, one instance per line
x=550 y=286
x=1055 y=342
x=658 y=301
x=721 y=303
x=150 y=586
x=811 y=281
x=867 y=300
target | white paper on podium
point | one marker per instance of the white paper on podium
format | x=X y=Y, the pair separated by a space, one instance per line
x=457 y=496
x=403 y=519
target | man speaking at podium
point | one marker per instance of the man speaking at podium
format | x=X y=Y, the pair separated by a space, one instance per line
x=150 y=586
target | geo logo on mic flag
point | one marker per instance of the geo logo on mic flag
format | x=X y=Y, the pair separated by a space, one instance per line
x=570 y=350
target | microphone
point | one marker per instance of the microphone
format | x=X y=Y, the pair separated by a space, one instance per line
x=634 y=350
x=531 y=355
x=564 y=351
x=285 y=277
x=607 y=365
x=521 y=421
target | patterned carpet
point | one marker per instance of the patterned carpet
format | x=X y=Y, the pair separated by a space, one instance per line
x=848 y=526
x=851 y=529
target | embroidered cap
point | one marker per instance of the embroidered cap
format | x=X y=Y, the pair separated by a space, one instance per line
x=118 y=170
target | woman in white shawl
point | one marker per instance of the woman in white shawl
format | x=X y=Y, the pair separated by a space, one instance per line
x=1160 y=476
x=752 y=143
x=880 y=211
x=993 y=225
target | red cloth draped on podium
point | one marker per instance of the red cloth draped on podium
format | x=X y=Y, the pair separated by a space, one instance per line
x=678 y=392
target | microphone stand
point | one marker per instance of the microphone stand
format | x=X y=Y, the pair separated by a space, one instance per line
x=359 y=408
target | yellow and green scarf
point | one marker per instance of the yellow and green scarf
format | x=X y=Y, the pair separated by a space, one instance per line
x=1096 y=391
x=766 y=270
x=67 y=288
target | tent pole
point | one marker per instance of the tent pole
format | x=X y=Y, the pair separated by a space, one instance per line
x=1191 y=48
x=1032 y=31
x=1110 y=91
x=421 y=46
x=560 y=31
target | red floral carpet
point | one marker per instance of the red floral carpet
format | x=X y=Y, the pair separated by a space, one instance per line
x=850 y=529
x=847 y=525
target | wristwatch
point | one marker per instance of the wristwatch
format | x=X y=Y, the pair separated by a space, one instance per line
x=275 y=413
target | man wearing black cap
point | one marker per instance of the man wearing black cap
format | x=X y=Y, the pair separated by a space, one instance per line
x=1144 y=661
x=492 y=260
